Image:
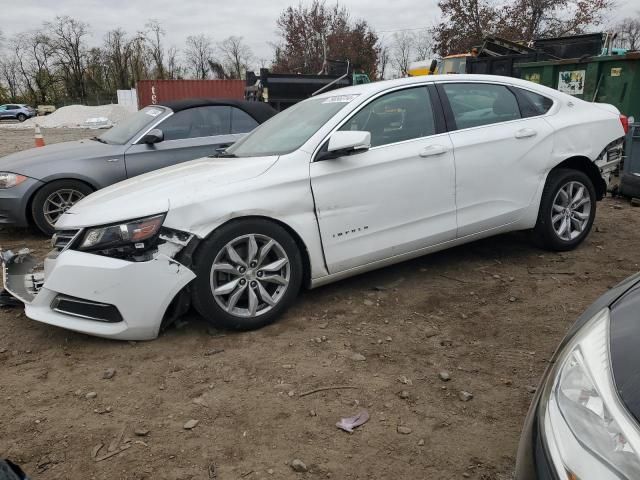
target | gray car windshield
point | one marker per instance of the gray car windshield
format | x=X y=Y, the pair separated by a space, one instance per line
x=290 y=129
x=127 y=129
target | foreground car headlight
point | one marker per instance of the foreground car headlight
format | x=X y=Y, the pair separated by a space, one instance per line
x=8 y=180
x=587 y=431
x=135 y=233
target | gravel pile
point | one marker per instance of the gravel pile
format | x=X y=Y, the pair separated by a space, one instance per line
x=77 y=116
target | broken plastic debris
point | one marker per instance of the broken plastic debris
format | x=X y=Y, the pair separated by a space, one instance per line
x=349 y=423
x=7 y=300
x=6 y=255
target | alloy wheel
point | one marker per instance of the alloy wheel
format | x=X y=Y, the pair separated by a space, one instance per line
x=250 y=275
x=59 y=202
x=571 y=210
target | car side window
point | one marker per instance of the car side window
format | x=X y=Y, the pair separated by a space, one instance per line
x=476 y=104
x=532 y=104
x=197 y=122
x=396 y=117
x=241 y=121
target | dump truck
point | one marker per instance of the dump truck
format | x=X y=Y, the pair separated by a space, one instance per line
x=281 y=90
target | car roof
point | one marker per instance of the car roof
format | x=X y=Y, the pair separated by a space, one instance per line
x=260 y=111
x=375 y=87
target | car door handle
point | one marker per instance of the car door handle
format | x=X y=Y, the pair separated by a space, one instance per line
x=526 y=133
x=432 y=150
x=113 y=160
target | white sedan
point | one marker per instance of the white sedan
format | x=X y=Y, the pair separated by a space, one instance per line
x=339 y=184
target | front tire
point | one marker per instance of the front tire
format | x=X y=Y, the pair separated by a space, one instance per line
x=21 y=117
x=248 y=273
x=567 y=210
x=55 y=198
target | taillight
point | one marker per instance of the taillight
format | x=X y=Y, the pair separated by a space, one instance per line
x=624 y=120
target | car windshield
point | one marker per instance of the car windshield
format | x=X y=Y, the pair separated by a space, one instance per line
x=290 y=129
x=127 y=129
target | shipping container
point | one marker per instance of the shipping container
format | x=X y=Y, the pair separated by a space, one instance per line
x=153 y=92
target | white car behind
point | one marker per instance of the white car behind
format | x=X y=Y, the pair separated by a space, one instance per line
x=342 y=183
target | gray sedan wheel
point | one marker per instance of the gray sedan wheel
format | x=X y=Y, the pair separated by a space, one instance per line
x=54 y=199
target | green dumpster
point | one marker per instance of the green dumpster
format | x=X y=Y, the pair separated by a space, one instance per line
x=612 y=79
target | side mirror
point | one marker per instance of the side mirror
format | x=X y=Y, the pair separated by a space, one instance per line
x=153 y=136
x=344 y=143
x=433 y=66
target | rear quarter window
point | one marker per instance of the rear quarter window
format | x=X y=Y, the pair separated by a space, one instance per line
x=532 y=104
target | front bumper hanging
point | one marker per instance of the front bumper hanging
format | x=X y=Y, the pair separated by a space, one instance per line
x=94 y=294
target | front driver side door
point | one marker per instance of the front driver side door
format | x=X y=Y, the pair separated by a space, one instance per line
x=395 y=198
x=188 y=134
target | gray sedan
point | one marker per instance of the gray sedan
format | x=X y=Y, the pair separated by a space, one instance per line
x=40 y=184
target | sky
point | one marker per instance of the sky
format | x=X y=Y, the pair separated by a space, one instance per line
x=254 y=20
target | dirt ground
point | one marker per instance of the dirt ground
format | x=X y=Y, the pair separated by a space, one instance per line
x=490 y=313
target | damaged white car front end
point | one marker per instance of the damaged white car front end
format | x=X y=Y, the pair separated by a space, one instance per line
x=115 y=281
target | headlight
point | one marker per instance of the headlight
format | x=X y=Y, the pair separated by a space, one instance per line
x=135 y=233
x=8 y=180
x=587 y=430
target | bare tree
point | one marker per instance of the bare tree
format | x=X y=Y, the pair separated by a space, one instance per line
x=139 y=65
x=67 y=41
x=423 y=45
x=383 y=61
x=154 y=35
x=9 y=73
x=198 y=52
x=218 y=71
x=174 y=69
x=117 y=51
x=236 y=56
x=34 y=59
x=629 y=33
x=402 y=51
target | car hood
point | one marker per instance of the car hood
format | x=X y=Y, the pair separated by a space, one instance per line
x=160 y=190
x=30 y=162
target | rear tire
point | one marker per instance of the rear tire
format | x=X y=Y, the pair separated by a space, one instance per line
x=248 y=273
x=53 y=200
x=567 y=210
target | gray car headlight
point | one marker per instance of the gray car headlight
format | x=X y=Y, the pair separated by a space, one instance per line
x=587 y=430
x=8 y=180
x=134 y=233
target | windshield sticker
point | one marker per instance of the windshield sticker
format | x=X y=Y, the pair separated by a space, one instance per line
x=340 y=98
x=154 y=112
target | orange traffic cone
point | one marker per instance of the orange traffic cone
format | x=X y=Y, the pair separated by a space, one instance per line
x=38 y=137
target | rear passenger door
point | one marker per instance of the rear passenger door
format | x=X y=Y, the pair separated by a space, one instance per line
x=188 y=134
x=501 y=146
